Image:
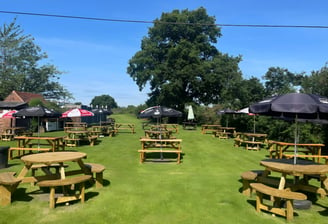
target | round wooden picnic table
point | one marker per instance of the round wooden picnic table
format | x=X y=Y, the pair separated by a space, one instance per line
x=49 y=158
x=53 y=157
x=302 y=168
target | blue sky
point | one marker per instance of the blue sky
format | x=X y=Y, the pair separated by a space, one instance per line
x=94 y=54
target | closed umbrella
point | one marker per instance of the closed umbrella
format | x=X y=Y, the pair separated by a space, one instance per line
x=293 y=106
x=190 y=115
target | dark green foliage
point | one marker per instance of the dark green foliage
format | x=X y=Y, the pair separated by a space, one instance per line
x=104 y=101
x=180 y=63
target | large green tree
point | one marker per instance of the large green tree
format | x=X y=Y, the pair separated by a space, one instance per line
x=22 y=68
x=104 y=101
x=281 y=81
x=317 y=82
x=180 y=63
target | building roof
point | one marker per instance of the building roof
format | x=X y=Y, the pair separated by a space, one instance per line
x=26 y=97
x=12 y=105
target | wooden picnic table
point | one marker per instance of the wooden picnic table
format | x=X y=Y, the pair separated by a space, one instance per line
x=225 y=132
x=75 y=136
x=9 y=133
x=189 y=125
x=252 y=141
x=210 y=127
x=125 y=126
x=303 y=169
x=158 y=134
x=59 y=179
x=48 y=159
x=160 y=145
x=56 y=143
x=280 y=148
x=102 y=130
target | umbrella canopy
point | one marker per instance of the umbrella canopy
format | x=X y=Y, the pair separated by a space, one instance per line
x=77 y=112
x=102 y=111
x=226 y=111
x=158 y=112
x=8 y=114
x=190 y=115
x=38 y=111
x=246 y=111
x=293 y=106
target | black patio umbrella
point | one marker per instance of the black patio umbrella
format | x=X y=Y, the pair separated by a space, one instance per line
x=293 y=106
x=37 y=111
x=159 y=112
x=227 y=111
x=101 y=111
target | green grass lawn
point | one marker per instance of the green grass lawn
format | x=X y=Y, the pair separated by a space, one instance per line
x=204 y=188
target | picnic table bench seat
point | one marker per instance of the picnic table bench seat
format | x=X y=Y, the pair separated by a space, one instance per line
x=98 y=170
x=253 y=145
x=23 y=149
x=52 y=184
x=278 y=195
x=7 y=136
x=8 y=184
x=249 y=177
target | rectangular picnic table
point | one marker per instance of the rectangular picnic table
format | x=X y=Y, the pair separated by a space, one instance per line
x=34 y=143
x=281 y=149
x=160 y=145
x=74 y=137
x=252 y=141
x=225 y=132
x=210 y=127
x=125 y=126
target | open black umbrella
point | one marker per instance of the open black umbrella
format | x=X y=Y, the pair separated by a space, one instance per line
x=293 y=106
x=99 y=112
x=38 y=111
x=159 y=112
x=226 y=111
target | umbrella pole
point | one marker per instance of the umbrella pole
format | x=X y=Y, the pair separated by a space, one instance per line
x=38 y=132
x=296 y=136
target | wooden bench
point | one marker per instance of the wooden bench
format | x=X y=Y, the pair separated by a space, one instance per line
x=71 y=142
x=98 y=170
x=289 y=196
x=143 y=151
x=8 y=184
x=7 y=137
x=253 y=145
x=238 y=142
x=92 y=139
x=65 y=182
x=12 y=149
x=249 y=177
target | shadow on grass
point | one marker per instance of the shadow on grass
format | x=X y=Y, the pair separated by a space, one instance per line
x=165 y=157
x=21 y=195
